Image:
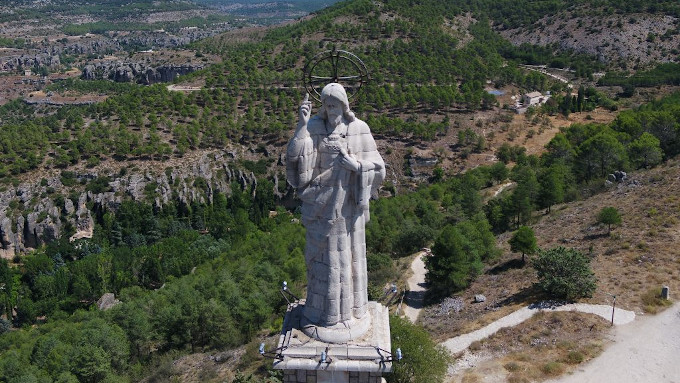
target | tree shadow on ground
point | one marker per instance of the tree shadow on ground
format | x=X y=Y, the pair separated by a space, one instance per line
x=595 y=236
x=529 y=295
x=416 y=299
x=505 y=266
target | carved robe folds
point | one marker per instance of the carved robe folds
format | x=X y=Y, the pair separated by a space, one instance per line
x=335 y=212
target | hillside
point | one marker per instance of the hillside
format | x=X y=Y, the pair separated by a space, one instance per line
x=627 y=41
x=632 y=263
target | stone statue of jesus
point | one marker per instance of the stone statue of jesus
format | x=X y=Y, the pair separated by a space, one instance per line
x=333 y=162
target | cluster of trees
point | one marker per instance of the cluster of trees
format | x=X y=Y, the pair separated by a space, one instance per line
x=256 y=89
x=583 y=65
x=448 y=213
x=662 y=74
x=115 y=9
x=513 y=14
x=586 y=100
x=190 y=277
x=563 y=273
x=197 y=277
x=102 y=27
x=582 y=153
x=18 y=43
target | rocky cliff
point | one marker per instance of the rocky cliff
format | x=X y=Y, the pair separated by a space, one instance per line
x=27 y=61
x=34 y=213
x=638 y=38
x=138 y=72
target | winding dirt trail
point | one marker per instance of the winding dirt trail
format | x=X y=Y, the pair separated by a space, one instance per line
x=417 y=288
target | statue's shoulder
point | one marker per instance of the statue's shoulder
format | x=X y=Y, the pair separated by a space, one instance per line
x=359 y=127
x=316 y=125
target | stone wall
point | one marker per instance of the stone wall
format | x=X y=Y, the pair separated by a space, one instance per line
x=310 y=376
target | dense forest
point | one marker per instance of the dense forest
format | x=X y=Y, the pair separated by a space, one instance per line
x=203 y=277
x=254 y=92
x=418 y=69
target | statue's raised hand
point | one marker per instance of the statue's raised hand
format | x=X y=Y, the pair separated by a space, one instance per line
x=305 y=109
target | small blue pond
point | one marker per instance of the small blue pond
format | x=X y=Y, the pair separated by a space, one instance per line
x=495 y=92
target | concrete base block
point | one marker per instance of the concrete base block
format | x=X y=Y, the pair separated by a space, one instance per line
x=362 y=360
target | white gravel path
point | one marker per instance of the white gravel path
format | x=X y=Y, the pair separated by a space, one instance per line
x=462 y=342
x=646 y=351
x=416 y=285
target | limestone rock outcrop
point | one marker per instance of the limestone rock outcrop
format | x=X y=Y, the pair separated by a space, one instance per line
x=32 y=214
x=136 y=72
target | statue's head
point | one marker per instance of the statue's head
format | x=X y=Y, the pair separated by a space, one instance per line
x=335 y=92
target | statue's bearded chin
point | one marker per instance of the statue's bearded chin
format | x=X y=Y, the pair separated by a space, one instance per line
x=335 y=119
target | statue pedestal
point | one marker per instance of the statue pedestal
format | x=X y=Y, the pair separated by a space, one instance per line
x=361 y=359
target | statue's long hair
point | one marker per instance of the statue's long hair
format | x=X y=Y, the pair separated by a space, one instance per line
x=336 y=91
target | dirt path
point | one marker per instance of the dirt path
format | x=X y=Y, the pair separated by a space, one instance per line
x=417 y=287
x=462 y=342
x=502 y=187
x=644 y=351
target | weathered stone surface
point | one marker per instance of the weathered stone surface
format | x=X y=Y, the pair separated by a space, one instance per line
x=479 y=298
x=333 y=162
x=11 y=63
x=107 y=301
x=7 y=238
x=364 y=354
x=136 y=72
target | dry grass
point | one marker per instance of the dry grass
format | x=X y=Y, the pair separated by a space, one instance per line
x=636 y=257
x=545 y=346
x=653 y=302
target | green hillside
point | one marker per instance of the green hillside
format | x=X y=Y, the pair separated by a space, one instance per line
x=204 y=277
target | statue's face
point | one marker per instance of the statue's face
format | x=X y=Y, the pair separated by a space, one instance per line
x=334 y=107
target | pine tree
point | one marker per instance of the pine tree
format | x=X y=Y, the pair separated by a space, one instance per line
x=523 y=241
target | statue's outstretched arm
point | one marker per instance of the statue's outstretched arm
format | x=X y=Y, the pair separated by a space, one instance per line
x=301 y=156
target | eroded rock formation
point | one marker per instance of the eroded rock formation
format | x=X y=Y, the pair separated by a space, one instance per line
x=32 y=214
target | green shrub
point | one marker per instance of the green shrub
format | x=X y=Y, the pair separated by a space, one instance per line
x=575 y=357
x=423 y=360
x=553 y=368
x=565 y=273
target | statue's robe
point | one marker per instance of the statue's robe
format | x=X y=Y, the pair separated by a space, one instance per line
x=335 y=213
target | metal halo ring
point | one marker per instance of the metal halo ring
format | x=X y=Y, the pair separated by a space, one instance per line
x=328 y=66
